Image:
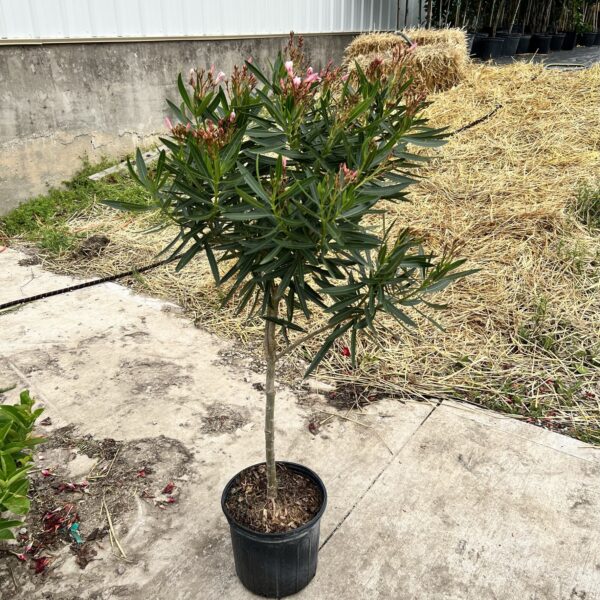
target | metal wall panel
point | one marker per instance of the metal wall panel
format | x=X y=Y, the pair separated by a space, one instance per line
x=89 y=19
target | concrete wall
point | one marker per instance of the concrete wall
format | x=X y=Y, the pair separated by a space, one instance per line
x=60 y=102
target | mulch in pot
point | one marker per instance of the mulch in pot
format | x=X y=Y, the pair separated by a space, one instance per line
x=298 y=500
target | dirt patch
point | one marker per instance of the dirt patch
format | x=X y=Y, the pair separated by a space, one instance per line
x=352 y=395
x=38 y=361
x=153 y=376
x=298 y=500
x=223 y=419
x=85 y=491
x=92 y=246
x=30 y=261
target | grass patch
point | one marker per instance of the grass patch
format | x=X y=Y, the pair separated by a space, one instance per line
x=587 y=207
x=44 y=219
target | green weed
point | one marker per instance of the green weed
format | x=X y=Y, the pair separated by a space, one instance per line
x=587 y=207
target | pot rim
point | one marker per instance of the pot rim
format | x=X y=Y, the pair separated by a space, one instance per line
x=278 y=535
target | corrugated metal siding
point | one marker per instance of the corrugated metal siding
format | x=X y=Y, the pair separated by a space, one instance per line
x=85 y=19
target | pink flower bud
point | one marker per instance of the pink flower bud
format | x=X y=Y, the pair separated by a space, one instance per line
x=188 y=126
x=220 y=77
x=349 y=174
x=212 y=69
x=232 y=116
x=168 y=123
x=289 y=67
x=284 y=161
x=296 y=81
x=249 y=60
x=309 y=71
x=312 y=78
x=412 y=47
x=345 y=77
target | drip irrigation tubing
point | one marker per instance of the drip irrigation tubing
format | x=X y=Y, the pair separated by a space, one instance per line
x=86 y=284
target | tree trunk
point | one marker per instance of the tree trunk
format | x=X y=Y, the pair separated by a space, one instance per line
x=270 y=347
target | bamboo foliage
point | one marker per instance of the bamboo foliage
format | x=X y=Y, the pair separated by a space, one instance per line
x=533 y=15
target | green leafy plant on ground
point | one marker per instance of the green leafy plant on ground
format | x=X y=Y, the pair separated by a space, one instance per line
x=271 y=176
x=44 y=219
x=16 y=442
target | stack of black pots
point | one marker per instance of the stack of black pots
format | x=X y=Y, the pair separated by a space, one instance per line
x=487 y=47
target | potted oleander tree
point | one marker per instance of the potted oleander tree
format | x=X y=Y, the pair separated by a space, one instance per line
x=276 y=177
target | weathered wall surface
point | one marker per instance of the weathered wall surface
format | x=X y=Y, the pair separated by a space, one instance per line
x=63 y=101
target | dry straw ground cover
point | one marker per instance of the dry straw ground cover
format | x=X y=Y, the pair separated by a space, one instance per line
x=522 y=335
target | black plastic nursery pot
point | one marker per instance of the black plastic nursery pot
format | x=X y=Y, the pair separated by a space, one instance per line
x=524 y=43
x=557 y=41
x=540 y=43
x=597 y=42
x=490 y=47
x=511 y=43
x=587 y=39
x=276 y=564
x=570 y=40
x=477 y=37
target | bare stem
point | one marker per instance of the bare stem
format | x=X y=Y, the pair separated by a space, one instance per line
x=303 y=339
x=270 y=347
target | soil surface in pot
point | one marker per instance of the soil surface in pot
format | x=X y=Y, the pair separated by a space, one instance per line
x=298 y=500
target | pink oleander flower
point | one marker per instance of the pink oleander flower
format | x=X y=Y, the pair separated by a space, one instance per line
x=168 y=123
x=312 y=78
x=349 y=174
x=289 y=67
x=296 y=81
x=220 y=77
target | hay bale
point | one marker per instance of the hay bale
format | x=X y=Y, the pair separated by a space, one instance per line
x=438 y=63
x=385 y=41
x=436 y=37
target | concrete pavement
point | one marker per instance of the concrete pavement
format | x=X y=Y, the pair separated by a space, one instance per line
x=426 y=501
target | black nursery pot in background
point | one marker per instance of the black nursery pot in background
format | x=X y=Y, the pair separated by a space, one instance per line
x=587 y=39
x=597 y=42
x=524 y=44
x=277 y=564
x=511 y=43
x=477 y=37
x=557 y=41
x=570 y=40
x=491 y=47
x=541 y=43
